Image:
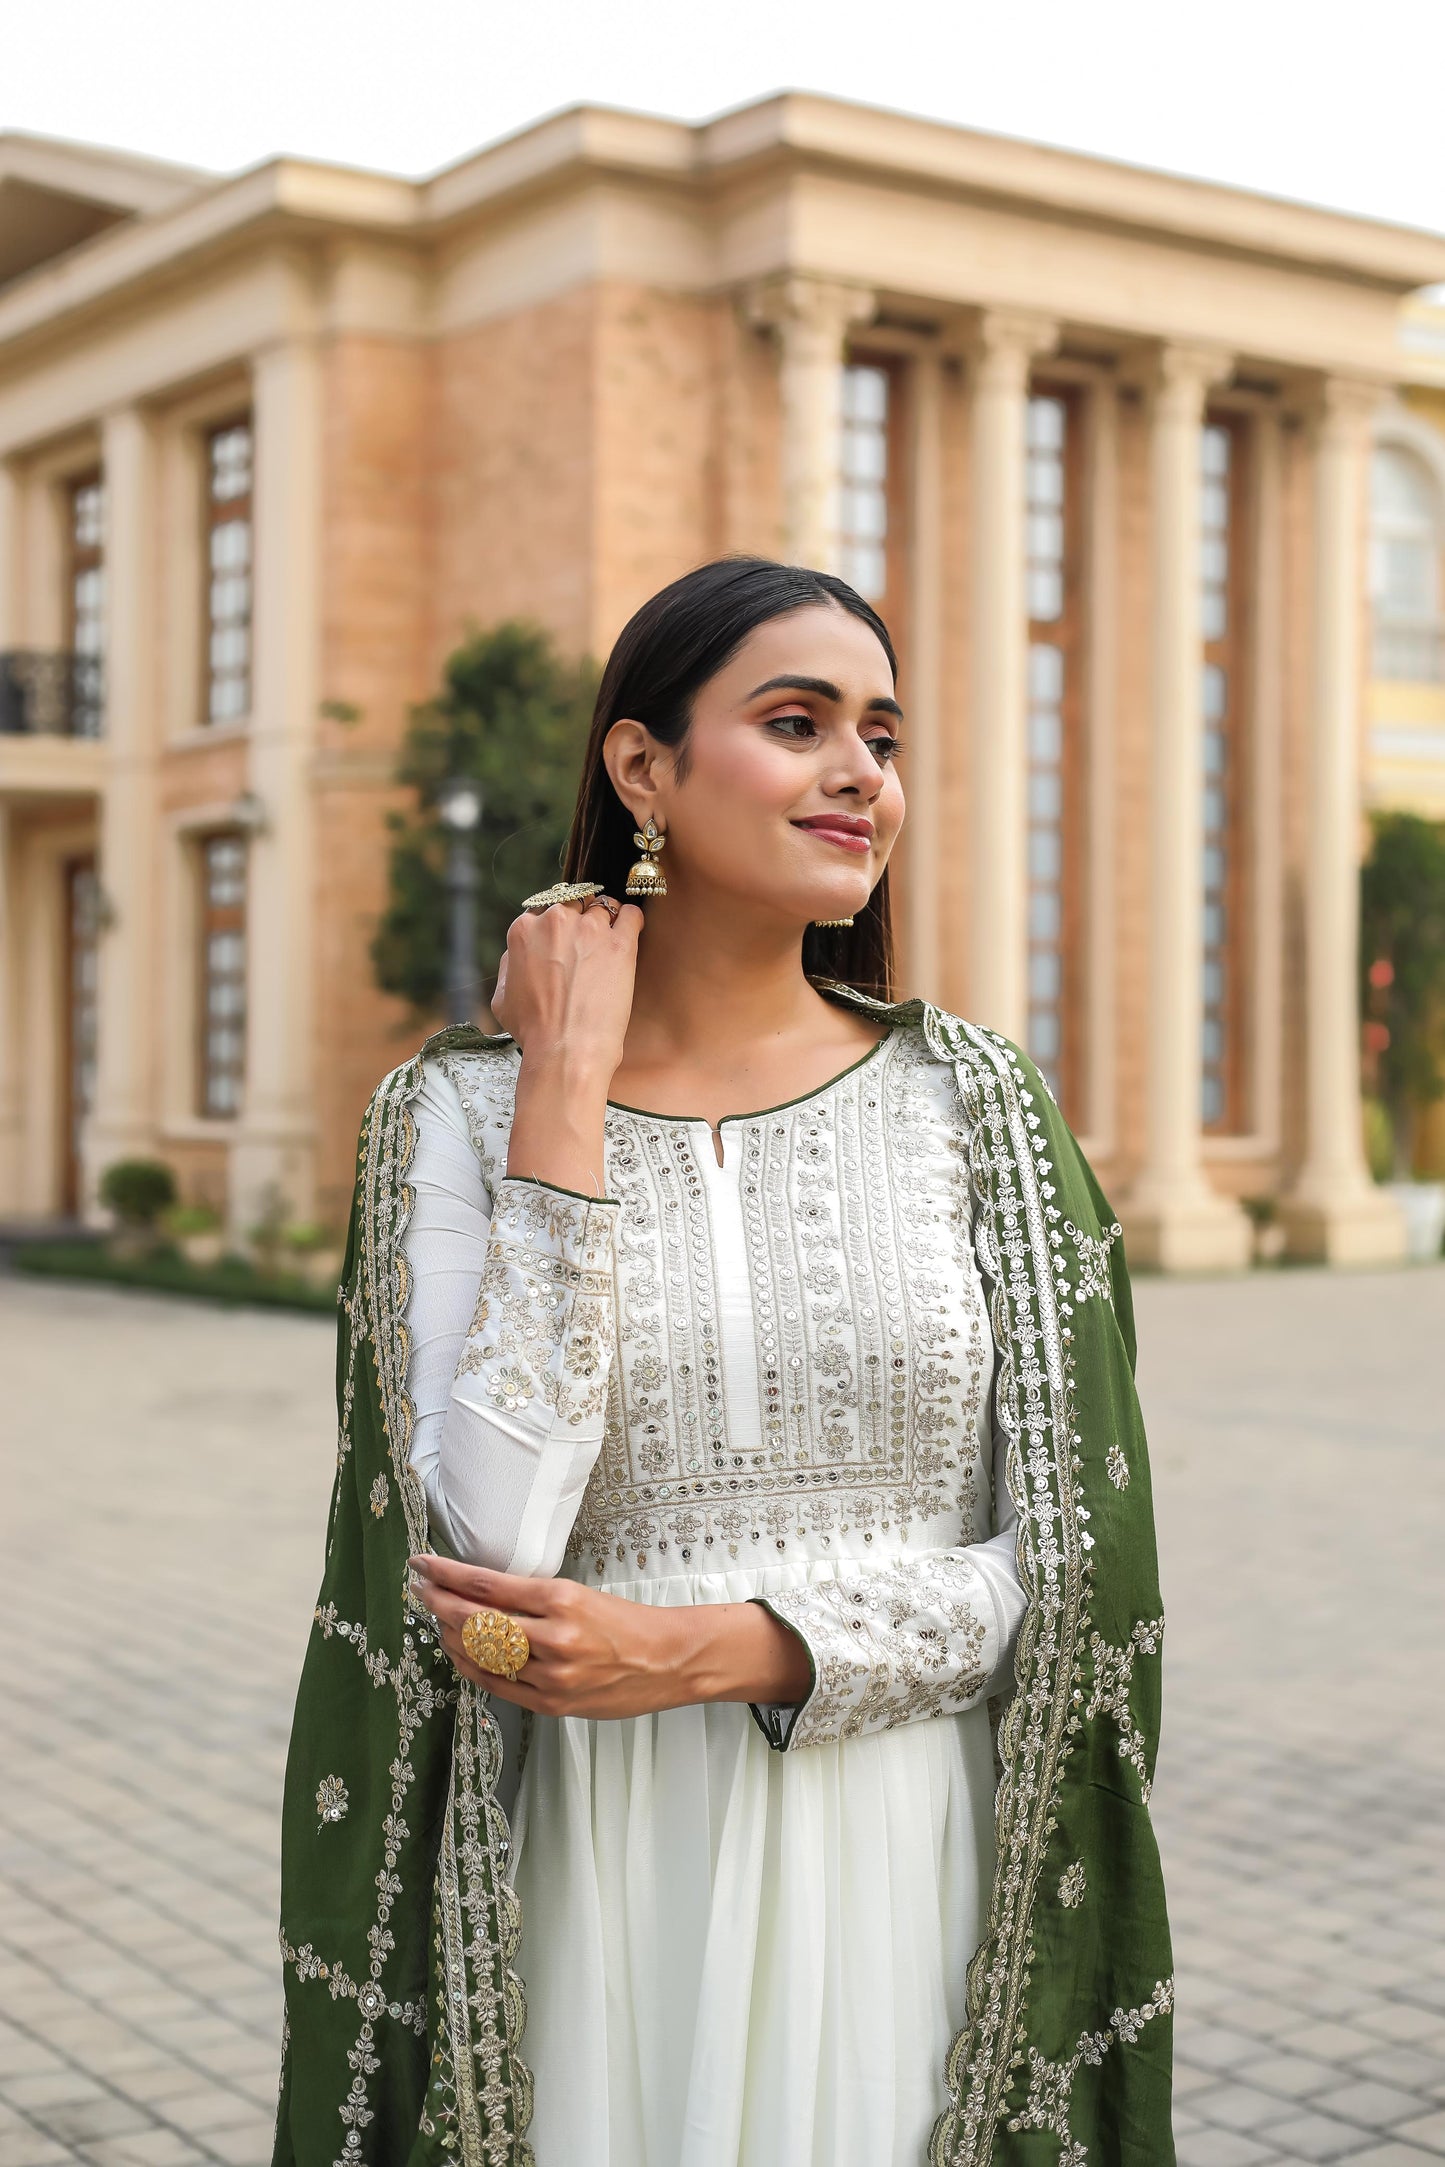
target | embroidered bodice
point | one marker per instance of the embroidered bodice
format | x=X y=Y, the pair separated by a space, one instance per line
x=780 y=1359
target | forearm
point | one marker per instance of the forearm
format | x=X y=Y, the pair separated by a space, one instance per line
x=736 y=1652
x=557 y=1123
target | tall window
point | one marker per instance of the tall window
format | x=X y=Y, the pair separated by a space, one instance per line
x=1407 y=567
x=863 y=522
x=222 y=1001
x=85 y=601
x=1055 y=768
x=1223 y=452
x=228 y=558
x=82 y=896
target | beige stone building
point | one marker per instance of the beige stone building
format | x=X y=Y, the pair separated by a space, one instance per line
x=1096 y=440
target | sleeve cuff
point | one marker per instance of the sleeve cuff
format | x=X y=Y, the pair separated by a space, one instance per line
x=777 y=1720
x=557 y=1189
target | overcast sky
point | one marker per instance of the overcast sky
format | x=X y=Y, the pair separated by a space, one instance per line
x=1330 y=101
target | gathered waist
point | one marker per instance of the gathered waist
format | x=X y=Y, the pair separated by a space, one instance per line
x=738 y=1583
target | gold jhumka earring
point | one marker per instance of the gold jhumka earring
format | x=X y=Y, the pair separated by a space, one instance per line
x=647 y=876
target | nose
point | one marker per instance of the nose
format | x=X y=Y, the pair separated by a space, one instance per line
x=858 y=774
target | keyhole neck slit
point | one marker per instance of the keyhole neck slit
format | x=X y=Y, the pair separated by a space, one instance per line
x=648 y=1113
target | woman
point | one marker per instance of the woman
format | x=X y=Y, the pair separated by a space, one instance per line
x=737 y=1420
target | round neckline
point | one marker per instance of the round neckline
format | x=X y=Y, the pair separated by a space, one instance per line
x=758 y=1113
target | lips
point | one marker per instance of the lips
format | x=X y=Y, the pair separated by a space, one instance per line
x=841 y=829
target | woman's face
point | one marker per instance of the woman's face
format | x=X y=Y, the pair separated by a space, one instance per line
x=790 y=798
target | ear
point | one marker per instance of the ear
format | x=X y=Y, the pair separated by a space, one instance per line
x=638 y=766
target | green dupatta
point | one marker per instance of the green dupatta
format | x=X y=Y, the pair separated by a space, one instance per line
x=404 y=2014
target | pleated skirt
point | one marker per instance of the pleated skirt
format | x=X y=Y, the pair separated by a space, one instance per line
x=734 y=1957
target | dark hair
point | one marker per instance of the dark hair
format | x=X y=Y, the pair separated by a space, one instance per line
x=663 y=657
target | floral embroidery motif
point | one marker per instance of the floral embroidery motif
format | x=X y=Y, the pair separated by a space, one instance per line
x=1113 y=1676
x=1072 y=1884
x=893 y=1645
x=543 y=1328
x=1049 y=2104
x=331 y=1799
x=1094 y=1260
x=380 y=1496
x=1117 y=1466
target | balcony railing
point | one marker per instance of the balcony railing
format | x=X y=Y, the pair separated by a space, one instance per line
x=50 y=692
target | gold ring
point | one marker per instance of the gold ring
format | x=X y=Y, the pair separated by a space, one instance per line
x=495 y=1642
x=562 y=891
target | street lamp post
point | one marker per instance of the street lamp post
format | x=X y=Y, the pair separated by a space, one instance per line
x=459 y=808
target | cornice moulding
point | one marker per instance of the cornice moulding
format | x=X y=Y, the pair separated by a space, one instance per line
x=790 y=132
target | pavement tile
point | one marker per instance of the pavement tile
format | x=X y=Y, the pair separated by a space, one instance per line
x=1392 y=2155
x=1428 y=2133
x=1223 y=2148
x=1368 y=2102
x=1316 y=2137
x=1240 y=2105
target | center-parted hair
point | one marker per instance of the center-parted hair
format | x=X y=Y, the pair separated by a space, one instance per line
x=663 y=657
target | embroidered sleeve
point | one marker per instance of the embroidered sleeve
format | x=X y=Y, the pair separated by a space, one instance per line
x=903 y=1639
x=528 y=1357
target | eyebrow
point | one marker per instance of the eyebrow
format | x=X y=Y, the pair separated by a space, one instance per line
x=824 y=691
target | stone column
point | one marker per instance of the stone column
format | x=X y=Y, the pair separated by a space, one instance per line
x=123 y=1123
x=10 y=1055
x=274 y=1148
x=812 y=318
x=1000 y=352
x=1334 y=1212
x=1173 y=1218
x=923 y=678
x=11 y=544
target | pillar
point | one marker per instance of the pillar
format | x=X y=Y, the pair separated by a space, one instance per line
x=11 y=547
x=812 y=319
x=10 y=1070
x=1334 y=1212
x=1173 y=1219
x=123 y=1121
x=273 y=1154
x=1000 y=353
x=922 y=692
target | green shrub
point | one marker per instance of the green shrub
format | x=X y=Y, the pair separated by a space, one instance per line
x=1379 y=1140
x=192 y=1219
x=138 y=1190
x=304 y=1237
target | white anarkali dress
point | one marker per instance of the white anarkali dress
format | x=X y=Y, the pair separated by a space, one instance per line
x=745 y=1932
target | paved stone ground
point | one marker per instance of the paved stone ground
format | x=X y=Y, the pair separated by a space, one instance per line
x=161 y=1543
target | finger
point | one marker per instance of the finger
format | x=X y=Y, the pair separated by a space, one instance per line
x=452 y=1612
x=500 y=1591
x=509 y=1689
x=436 y=1571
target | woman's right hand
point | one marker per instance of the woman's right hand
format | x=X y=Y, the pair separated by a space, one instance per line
x=564 y=985
x=564 y=992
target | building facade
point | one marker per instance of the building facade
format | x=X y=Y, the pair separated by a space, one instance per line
x=1098 y=442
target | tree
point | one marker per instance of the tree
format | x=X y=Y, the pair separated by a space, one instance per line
x=512 y=717
x=1402 y=957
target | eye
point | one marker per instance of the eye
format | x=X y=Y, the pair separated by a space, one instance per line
x=780 y=722
x=885 y=749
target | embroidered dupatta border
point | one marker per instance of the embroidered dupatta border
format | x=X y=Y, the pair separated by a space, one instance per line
x=479 y=2099
x=1014 y=1238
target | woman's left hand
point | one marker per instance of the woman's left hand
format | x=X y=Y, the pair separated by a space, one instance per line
x=602 y=1656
